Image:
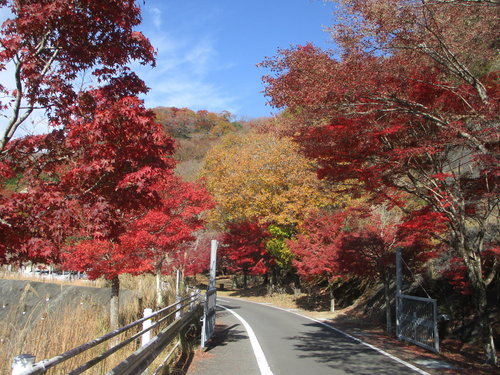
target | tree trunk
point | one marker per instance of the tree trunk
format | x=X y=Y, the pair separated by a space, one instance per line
x=272 y=280
x=296 y=281
x=388 y=319
x=485 y=325
x=114 y=304
x=244 y=280
x=159 y=291
x=480 y=286
x=332 y=299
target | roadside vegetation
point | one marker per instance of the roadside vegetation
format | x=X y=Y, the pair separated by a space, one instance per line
x=45 y=330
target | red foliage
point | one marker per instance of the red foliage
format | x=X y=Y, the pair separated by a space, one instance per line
x=244 y=248
x=101 y=258
x=359 y=241
x=368 y=249
x=166 y=233
x=107 y=156
x=108 y=166
x=379 y=118
x=403 y=123
x=457 y=276
x=317 y=249
x=38 y=224
x=51 y=42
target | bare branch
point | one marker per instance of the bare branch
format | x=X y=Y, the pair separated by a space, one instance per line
x=16 y=120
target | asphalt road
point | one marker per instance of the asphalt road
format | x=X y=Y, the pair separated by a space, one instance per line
x=289 y=344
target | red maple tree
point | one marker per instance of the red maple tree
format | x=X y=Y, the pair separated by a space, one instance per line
x=316 y=249
x=361 y=241
x=49 y=44
x=165 y=234
x=109 y=164
x=410 y=105
x=50 y=47
x=245 y=251
x=92 y=193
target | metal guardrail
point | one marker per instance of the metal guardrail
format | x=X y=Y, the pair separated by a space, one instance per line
x=144 y=356
x=137 y=361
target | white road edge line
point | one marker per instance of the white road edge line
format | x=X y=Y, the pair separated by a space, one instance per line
x=257 y=350
x=394 y=358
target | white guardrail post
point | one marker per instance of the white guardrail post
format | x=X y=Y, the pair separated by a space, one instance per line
x=22 y=363
x=146 y=337
x=178 y=293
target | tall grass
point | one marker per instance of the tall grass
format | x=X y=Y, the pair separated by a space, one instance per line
x=55 y=332
x=99 y=283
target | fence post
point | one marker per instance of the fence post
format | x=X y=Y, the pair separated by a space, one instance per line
x=191 y=305
x=177 y=293
x=22 y=363
x=146 y=337
x=436 y=331
x=204 y=323
x=398 y=293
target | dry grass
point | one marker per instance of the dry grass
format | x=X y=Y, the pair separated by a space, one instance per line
x=55 y=332
x=100 y=283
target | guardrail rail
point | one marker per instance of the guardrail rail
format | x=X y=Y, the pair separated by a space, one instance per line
x=140 y=359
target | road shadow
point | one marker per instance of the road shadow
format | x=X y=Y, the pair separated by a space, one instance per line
x=256 y=291
x=339 y=352
x=225 y=334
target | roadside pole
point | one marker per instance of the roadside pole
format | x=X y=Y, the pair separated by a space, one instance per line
x=210 y=298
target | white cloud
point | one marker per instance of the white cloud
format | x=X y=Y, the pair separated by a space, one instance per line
x=182 y=91
x=181 y=77
x=156 y=14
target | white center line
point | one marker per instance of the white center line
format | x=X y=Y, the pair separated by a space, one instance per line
x=259 y=354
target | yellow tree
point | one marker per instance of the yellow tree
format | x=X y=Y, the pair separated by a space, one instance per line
x=261 y=177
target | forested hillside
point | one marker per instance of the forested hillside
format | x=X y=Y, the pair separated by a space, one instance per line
x=195 y=133
x=390 y=140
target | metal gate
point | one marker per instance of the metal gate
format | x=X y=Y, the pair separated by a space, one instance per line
x=416 y=317
x=416 y=321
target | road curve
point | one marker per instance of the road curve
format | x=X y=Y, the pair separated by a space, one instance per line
x=294 y=344
x=290 y=344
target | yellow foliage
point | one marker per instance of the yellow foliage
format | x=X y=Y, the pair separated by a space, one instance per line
x=263 y=177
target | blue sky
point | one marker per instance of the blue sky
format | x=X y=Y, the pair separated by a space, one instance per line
x=208 y=49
